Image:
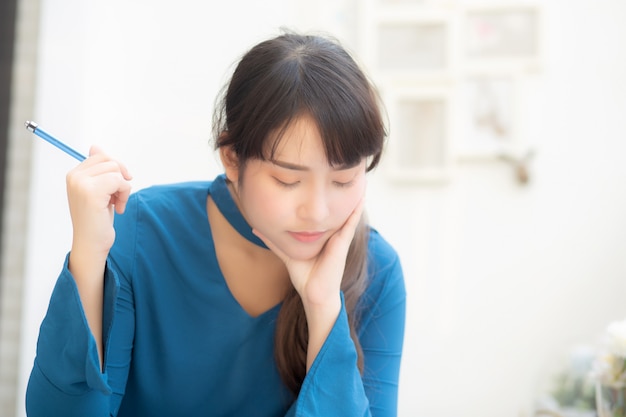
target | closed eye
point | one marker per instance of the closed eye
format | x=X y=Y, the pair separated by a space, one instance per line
x=286 y=184
x=343 y=184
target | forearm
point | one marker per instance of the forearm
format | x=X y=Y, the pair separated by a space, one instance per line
x=321 y=318
x=332 y=386
x=88 y=272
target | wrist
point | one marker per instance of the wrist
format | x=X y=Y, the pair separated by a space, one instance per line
x=86 y=262
x=93 y=247
x=321 y=318
x=322 y=311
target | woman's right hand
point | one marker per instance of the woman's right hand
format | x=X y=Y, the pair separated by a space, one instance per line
x=96 y=188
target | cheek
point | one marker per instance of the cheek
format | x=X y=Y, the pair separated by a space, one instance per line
x=264 y=207
x=347 y=201
x=275 y=207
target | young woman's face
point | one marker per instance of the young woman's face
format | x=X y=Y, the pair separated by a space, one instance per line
x=298 y=200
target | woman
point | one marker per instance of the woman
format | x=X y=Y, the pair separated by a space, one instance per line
x=261 y=293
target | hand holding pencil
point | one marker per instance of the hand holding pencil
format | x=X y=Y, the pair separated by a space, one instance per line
x=96 y=188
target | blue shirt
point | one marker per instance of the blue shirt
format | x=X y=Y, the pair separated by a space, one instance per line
x=177 y=343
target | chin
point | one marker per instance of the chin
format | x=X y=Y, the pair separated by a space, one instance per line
x=302 y=252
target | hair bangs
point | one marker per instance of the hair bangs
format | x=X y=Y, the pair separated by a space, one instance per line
x=283 y=79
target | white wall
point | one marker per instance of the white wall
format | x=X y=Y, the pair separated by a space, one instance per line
x=503 y=280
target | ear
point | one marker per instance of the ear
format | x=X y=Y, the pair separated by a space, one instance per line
x=231 y=163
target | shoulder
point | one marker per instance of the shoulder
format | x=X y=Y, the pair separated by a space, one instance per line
x=385 y=276
x=169 y=197
x=381 y=254
x=164 y=203
x=167 y=192
x=160 y=217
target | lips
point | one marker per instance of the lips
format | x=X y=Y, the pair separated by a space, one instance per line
x=306 y=237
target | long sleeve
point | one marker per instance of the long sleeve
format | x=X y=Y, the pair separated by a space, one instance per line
x=333 y=385
x=66 y=379
x=381 y=334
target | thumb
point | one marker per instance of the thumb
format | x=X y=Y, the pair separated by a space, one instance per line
x=94 y=150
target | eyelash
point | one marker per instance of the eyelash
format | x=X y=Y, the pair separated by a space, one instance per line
x=286 y=184
x=343 y=184
x=294 y=184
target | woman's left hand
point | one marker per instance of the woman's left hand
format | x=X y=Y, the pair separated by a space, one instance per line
x=318 y=280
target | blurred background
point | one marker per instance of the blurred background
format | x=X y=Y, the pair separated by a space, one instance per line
x=503 y=188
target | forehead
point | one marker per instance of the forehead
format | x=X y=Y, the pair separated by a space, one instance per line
x=300 y=141
x=300 y=138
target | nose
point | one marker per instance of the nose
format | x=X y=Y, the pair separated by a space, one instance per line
x=314 y=205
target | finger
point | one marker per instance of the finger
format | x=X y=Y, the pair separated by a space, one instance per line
x=340 y=241
x=121 y=197
x=103 y=190
x=96 y=155
x=349 y=227
x=127 y=175
x=95 y=150
x=101 y=168
x=111 y=182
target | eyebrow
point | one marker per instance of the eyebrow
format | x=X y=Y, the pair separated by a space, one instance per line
x=296 y=167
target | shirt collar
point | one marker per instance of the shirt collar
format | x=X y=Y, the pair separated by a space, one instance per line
x=226 y=205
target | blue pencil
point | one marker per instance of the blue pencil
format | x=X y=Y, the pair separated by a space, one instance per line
x=32 y=126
